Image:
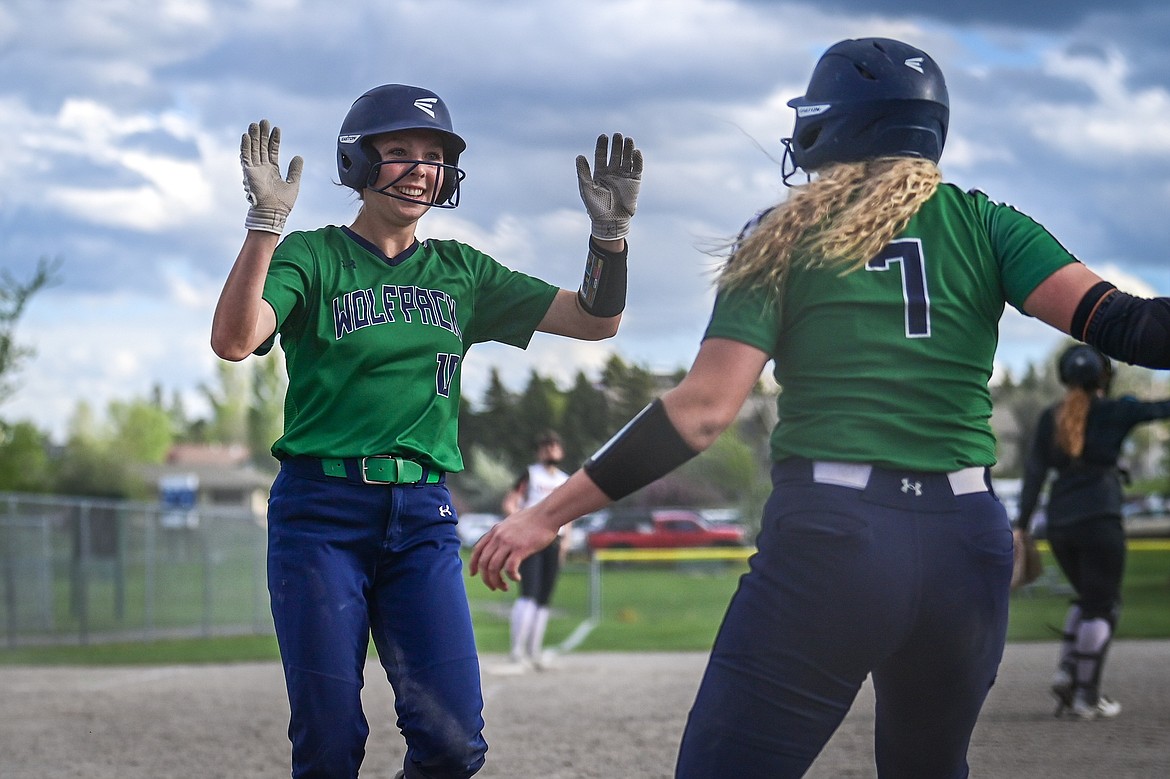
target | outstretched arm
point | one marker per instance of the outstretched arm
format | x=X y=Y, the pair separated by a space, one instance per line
x=1132 y=329
x=243 y=320
x=610 y=194
x=683 y=423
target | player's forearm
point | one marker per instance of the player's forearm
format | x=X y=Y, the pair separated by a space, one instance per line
x=236 y=325
x=568 y=317
x=577 y=497
x=591 y=327
x=710 y=396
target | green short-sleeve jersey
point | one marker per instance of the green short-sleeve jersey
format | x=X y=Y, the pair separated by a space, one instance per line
x=375 y=348
x=890 y=365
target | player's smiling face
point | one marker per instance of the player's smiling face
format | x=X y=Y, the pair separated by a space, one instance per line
x=401 y=176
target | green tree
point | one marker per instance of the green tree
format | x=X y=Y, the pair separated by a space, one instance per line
x=14 y=297
x=88 y=464
x=141 y=431
x=266 y=411
x=24 y=458
x=481 y=486
x=493 y=423
x=628 y=387
x=535 y=411
x=230 y=399
x=247 y=406
x=584 y=425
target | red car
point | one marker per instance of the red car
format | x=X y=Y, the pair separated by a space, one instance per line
x=663 y=529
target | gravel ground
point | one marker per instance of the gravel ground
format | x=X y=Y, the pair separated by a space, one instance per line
x=595 y=715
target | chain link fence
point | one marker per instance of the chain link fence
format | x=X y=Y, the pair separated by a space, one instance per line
x=83 y=571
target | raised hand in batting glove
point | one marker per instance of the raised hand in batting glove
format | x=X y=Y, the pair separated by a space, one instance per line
x=270 y=196
x=610 y=192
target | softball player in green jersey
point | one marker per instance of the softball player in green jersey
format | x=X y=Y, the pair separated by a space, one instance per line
x=375 y=326
x=876 y=290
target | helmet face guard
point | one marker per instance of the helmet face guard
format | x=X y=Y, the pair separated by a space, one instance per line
x=869 y=98
x=393 y=108
x=446 y=195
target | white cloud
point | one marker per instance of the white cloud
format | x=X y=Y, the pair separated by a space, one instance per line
x=1122 y=120
x=123 y=120
x=55 y=150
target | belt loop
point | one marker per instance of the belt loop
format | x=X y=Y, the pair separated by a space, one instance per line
x=333 y=467
x=968 y=481
x=855 y=475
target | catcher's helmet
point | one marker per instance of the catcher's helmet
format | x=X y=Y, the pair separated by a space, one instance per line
x=1083 y=366
x=390 y=108
x=868 y=98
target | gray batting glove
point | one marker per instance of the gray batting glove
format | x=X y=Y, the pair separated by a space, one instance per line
x=270 y=196
x=610 y=193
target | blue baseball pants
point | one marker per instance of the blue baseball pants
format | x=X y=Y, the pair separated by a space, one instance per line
x=899 y=578
x=347 y=561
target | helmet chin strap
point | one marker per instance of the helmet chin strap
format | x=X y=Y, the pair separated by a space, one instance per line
x=446 y=170
x=788 y=166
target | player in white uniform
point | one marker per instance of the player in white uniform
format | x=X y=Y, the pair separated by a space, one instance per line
x=531 y=610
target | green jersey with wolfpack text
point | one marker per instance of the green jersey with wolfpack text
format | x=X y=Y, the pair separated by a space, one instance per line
x=375 y=347
x=890 y=365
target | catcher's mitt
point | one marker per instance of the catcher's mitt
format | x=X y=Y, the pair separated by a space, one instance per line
x=1026 y=565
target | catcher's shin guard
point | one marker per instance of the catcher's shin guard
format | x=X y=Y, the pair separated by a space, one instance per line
x=1082 y=696
x=1063 y=683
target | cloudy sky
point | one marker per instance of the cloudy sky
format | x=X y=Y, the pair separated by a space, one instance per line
x=122 y=121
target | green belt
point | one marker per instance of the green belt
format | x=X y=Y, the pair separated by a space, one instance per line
x=382 y=469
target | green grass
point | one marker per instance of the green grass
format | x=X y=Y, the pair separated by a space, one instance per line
x=229 y=649
x=1038 y=612
x=645 y=607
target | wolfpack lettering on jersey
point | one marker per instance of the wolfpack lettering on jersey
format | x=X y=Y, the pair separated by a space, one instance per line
x=363 y=308
x=353 y=322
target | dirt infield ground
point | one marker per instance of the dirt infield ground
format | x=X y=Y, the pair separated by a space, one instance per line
x=597 y=715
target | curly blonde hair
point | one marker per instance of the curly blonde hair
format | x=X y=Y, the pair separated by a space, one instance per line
x=841 y=219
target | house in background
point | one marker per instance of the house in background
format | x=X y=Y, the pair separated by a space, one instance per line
x=222 y=477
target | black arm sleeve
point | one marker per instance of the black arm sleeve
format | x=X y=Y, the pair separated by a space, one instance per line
x=1127 y=328
x=645 y=450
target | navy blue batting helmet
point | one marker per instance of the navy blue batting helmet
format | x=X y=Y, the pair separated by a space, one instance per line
x=390 y=108
x=869 y=98
x=1083 y=366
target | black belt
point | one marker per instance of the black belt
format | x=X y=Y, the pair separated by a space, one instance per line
x=376 y=469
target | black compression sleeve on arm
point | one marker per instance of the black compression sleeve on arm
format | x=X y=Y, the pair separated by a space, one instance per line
x=645 y=450
x=1131 y=329
x=603 y=290
x=1087 y=307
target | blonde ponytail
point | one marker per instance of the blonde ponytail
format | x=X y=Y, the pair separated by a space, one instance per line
x=840 y=220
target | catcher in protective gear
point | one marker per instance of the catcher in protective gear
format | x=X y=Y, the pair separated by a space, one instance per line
x=1080 y=440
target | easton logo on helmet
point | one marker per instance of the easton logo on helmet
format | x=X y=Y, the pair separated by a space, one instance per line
x=812 y=110
x=348 y=138
x=915 y=63
x=426 y=105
